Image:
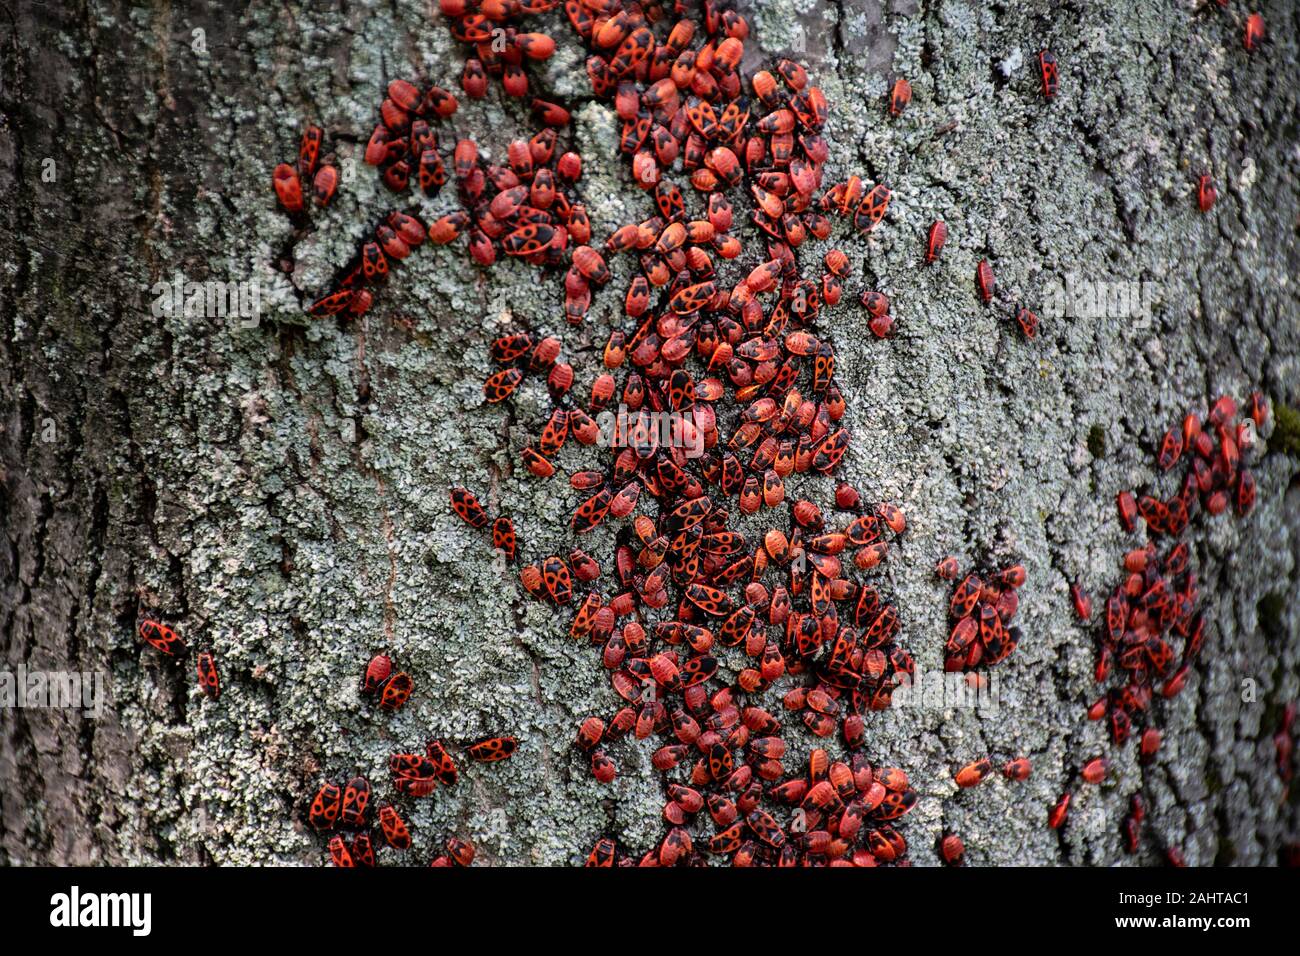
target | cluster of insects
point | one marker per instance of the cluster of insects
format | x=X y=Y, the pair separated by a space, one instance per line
x=524 y=209
x=403 y=143
x=501 y=48
x=163 y=638
x=1153 y=608
x=345 y=807
x=726 y=390
x=841 y=814
x=288 y=178
x=683 y=104
x=981 y=610
x=393 y=687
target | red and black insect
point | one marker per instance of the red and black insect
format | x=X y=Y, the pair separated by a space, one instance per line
x=1047 y=72
x=1206 y=194
x=396 y=833
x=413 y=774
x=209 y=682
x=325 y=807
x=1027 y=321
x=899 y=96
x=356 y=797
x=503 y=537
x=492 y=749
x=340 y=854
x=377 y=671
x=1056 y=817
x=501 y=385
x=161 y=637
x=395 y=691
x=460 y=851
x=973 y=773
x=309 y=149
x=468 y=508
x=558 y=580
x=1018 y=769
x=872 y=209
x=1081 y=601
x=324 y=184
x=1254 y=35
x=444 y=768
x=951 y=849
x=288 y=187
x=984 y=282
x=947 y=568
x=363 y=850
x=935 y=239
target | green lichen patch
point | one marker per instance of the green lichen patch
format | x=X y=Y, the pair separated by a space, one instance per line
x=1097 y=441
x=1286 y=433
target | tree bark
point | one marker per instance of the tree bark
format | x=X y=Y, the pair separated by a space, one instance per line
x=277 y=489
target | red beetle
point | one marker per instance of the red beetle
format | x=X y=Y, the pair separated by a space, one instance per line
x=1028 y=322
x=1018 y=768
x=899 y=96
x=468 y=508
x=209 y=682
x=1254 y=34
x=1056 y=818
x=1048 y=72
x=1081 y=601
x=325 y=807
x=1205 y=193
x=1128 y=511
x=309 y=150
x=951 y=849
x=288 y=187
x=161 y=637
x=377 y=671
x=984 y=282
x=935 y=240
x=492 y=749
x=325 y=183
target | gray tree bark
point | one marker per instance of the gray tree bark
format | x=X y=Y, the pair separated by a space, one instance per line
x=278 y=489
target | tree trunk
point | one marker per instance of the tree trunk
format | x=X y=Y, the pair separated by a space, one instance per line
x=277 y=488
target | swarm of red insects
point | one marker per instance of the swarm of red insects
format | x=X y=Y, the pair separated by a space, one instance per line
x=981 y=609
x=682 y=103
x=1158 y=597
x=403 y=144
x=501 y=48
x=414 y=775
x=521 y=209
x=694 y=621
x=1214 y=478
x=524 y=209
x=1153 y=610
